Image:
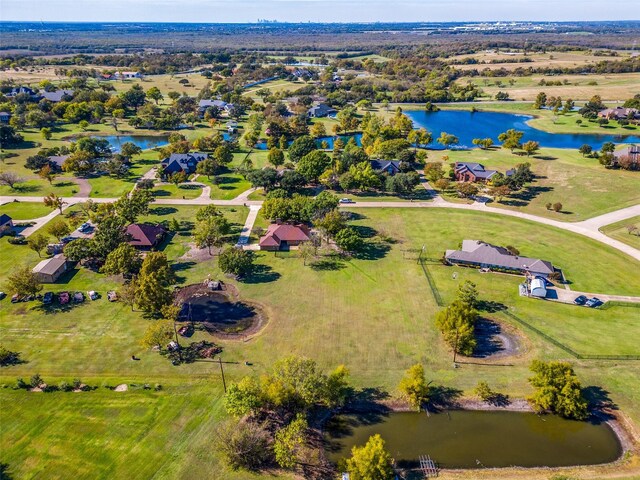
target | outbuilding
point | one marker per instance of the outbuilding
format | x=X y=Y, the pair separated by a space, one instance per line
x=538 y=288
x=49 y=270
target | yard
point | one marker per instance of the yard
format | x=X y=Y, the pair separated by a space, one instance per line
x=621 y=231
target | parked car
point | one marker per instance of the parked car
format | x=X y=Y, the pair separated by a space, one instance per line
x=581 y=300
x=66 y=240
x=2 y=295
x=112 y=296
x=93 y=295
x=47 y=298
x=63 y=298
x=85 y=227
x=593 y=302
x=78 y=297
x=346 y=200
x=15 y=298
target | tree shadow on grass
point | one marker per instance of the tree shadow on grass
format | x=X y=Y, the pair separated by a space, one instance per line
x=4 y=472
x=181 y=267
x=27 y=188
x=261 y=274
x=372 y=251
x=599 y=401
x=525 y=196
x=326 y=264
x=161 y=211
x=491 y=306
x=442 y=397
x=365 y=231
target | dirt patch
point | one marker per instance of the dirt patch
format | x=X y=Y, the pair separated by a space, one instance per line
x=496 y=340
x=199 y=254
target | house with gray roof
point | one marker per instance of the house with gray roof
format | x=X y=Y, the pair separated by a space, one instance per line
x=5 y=117
x=390 y=167
x=478 y=254
x=57 y=95
x=182 y=162
x=50 y=269
x=321 y=110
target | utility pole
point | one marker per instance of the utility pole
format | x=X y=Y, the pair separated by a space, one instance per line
x=224 y=383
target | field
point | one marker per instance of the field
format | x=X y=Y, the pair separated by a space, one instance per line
x=383 y=297
x=611 y=87
x=620 y=231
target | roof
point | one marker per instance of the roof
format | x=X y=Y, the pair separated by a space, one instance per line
x=182 y=161
x=321 y=109
x=144 y=235
x=57 y=95
x=278 y=233
x=212 y=103
x=538 y=283
x=5 y=114
x=475 y=251
x=58 y=159
x=477 y=169
x=50 y=266
x=4 y=218
x=385 y=165
x=632 y=152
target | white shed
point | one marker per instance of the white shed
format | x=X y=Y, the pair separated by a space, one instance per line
x=538 y=288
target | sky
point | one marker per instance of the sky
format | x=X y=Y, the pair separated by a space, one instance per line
x=220 y=11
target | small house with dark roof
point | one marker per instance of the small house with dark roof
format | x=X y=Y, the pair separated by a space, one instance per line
x=6 y=224
x=145 y=236
x=50 y=269
x=478 y=254
x=474 y=172
x=285 y=235
x=57 y=95
x=321 y=110
x=182 y=162
x=390 y=167
x=5 y=117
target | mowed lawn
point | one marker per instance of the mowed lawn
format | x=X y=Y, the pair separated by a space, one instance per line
x=621 y=231
x=24 y=210
x=374 y=314
x=583 y=186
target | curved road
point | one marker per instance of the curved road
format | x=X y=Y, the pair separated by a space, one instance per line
x=589 y=228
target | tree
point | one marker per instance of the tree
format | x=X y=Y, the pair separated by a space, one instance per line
x=83 y=124
x=10 y=179
x=442 y=184
x=371 y=461
x=155 y=94
x=130 y=207
x=130 y=149
x=122 y=261
x=53 y=201
x=558 y=389
x=266 y=178
x=37 y=243
x=153 y=283
x=128 y=293
x=349 y=240
x=8 y=135
x=499 y=192
x=46 y=133
x=236 y=261
x=557 y=207
x=337 y=388
x=275 y=157
x=300 y=147
x=23 y=282
x=134 y=97
x=178 y=177
x=208 y=211
x=331 y=223
x=456 y=322
x=58 y=228
x=79 y=250
x=223 y=155
x=36 y=162
x=46 y=173
x=413 y=386
x=467 y=190
x=158 y=333
x=7 y=357
x=585 y=150
x=292 y=181
x=110 y=233
x=313 y=164
x=530 y=147
x=290 y=442
x=243 y=398
x=541 y=100
x=244 y=444
x=211 y=231
x=468 y=294
x=447 y=140
x=511 y=139
x=207 y=167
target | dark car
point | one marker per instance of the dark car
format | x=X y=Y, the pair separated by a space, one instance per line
x=47 y=298
x=581 y=300
x=593 y=302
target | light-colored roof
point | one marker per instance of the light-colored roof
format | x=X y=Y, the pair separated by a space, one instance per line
x=50 y=266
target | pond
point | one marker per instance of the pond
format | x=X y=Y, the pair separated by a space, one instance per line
x=469 y=125
x=477 y=439
x=145 y=142
x=217 y=312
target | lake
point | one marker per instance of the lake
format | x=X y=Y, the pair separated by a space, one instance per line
x=469 y=125
x=477 y=439
x=145 y=142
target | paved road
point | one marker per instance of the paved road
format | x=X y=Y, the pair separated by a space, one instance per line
x=588 y=228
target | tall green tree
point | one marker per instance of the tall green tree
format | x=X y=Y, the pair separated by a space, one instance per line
x=153 y=283
x=371 y=461
x=558 y=389
x=211 y=231
x=290 y=443
x=413 y=386
x=37 y=242
x=23 y=282
x=457 y=323
x=124 y=260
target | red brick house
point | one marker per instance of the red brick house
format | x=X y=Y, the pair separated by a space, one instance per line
x=474 y=172
x=282 y=236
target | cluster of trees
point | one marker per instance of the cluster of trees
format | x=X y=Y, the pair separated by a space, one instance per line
x=457 y=321
x=557 y=390
x=273 y=428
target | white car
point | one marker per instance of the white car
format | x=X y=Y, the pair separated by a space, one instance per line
x=346 y=200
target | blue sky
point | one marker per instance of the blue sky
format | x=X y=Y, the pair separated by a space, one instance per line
x=212 y=11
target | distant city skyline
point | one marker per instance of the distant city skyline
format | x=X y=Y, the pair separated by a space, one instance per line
x=222 y=11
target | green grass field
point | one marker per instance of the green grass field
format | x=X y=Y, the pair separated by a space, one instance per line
x=375 y=314
x=24 y=210
x=620 y=231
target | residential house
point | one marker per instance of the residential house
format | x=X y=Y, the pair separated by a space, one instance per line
x=203 y=105
x=21 y=90
x=321 y=110
x=56 y=162
x=631 y=153
x=620 y=113
x=57 y=96
x=5 y=117
x=182 y=162
x=126 y=75
x=476 y=253
x=281 y=236
x=6 y=224
x=145 y=236
x=475 y=172
x=49 y=270
x=390 y=167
